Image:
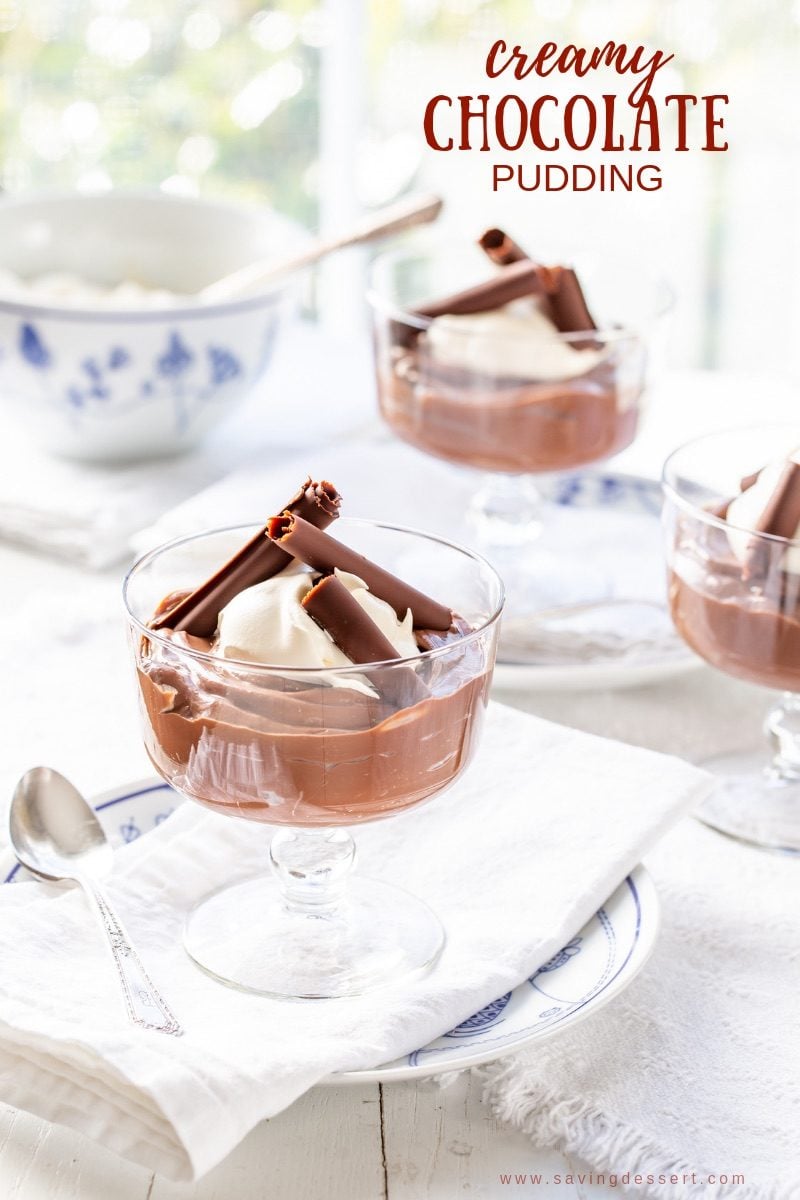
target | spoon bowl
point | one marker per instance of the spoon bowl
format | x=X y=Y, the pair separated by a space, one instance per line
x=54 y=832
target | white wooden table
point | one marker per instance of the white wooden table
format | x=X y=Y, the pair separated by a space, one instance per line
x=397 y=1142
x=401 y=1142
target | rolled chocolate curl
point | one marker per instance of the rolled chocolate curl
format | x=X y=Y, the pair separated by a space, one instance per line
x=323 y=553
x=780 y=518
x=259 y=559
x=748 y=480
x=567 y=302
x=558 y=287
x=500 y=248
x=503 y=251
x=522 y=278
x=352 y=629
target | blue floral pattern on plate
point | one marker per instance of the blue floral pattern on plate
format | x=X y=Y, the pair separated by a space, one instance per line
x=485 y=1019
x=589 y=968
x=564 y=955
x=596 y=489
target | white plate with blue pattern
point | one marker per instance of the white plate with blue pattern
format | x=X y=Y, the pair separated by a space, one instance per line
x=590 y=970
x=607 y=624
x=593 y=967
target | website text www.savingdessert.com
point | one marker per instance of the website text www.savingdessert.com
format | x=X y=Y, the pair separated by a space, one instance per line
x=623 y=1179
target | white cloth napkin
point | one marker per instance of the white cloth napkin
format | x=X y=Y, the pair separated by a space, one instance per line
x=514 y=858
x=87 y=512
x=693 y=1072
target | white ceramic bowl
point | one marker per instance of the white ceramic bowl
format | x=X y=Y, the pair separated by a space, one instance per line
x=109 y=384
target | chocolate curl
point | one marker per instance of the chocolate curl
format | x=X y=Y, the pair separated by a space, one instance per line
x=558 y=286
x=503 y=251
x=780 y=518
x=522 y=278
x=259 y=559
x=323 y=553
x=500 y=248
x=350 y=627
x=353 y=630
x=567 y=302
x=748 y=481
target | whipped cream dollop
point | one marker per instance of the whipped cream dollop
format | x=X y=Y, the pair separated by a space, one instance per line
x=268 y=624
x=745 y=510
x=516 y=341
x=73 y=291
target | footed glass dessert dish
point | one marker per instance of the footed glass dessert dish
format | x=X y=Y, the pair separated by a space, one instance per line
x=519 y=378
x=276 y=701
x=732 y=525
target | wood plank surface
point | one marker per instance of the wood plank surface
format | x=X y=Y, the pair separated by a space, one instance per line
x=442 y=1143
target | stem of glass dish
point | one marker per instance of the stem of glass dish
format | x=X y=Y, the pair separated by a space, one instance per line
x=782 y=726
x=506 y=510
x=313 y=867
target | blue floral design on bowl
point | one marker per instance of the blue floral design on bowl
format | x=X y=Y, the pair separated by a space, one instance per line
x=189 y=377
x=176 y=359
x=126 y=387
x=31 y=347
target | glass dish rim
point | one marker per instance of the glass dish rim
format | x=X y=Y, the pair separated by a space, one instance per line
x=702 y=514
x=316 y=672
x=381 y=303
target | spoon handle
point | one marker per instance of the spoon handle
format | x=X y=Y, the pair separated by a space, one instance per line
x=142 y=1000
x=404 y=214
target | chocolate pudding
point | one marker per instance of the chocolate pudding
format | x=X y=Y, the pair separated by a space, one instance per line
x=277 y=751
x=735 y=597
x=513 y=425
x=248 y=718
x=511 y=374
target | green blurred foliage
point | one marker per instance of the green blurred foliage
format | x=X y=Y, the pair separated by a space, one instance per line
x=133 y=92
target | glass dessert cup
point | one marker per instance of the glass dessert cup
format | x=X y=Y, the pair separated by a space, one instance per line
x=519 y=414
x=736 y=604
x=313 y=751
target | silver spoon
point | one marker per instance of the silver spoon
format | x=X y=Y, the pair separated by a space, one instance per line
x=406 y=213
x=55 y=834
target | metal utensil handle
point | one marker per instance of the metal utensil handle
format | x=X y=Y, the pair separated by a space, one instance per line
x=406 y=213
x=142 y=1000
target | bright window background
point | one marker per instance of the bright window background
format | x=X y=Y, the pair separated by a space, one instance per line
x=221 y=97
x=316 y=108
x=725 y=228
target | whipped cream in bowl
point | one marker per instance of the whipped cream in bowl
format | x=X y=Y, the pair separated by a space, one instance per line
x=108 y=354
x=76 y=291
